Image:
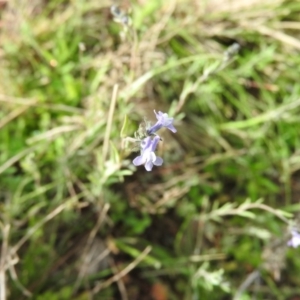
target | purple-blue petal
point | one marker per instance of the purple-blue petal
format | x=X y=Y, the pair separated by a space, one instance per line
x=149 y=165
x=154 y=128
x=159 y=161
x=155 y=141
x=139 y=160
x=146 y=142
x=295 y=240
x=172 y=128
x=163 y=120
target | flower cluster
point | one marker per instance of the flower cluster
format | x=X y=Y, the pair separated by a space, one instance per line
x=149 y=143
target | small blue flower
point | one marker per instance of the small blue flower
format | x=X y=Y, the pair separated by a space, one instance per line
x=148 y=157
x=163 y=120
x=295 y=240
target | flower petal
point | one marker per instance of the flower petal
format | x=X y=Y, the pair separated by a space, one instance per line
x=295 y=240
x=172 y=128
x=149 y=165
x=146 y=142
x=139 y=160
x=159 y=161
x=152 y=157
x=154 y=128
x=163 y=120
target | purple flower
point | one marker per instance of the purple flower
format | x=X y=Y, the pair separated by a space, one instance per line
x=163 y=120
x=295 y=240
x=148 y=157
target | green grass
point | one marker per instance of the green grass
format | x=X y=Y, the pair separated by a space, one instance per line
x=78 y=220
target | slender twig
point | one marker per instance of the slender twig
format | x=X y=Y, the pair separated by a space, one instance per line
x=16 y=158
x=246 y=283
x=3 y=258
x=15 y=278
x=33 y=229
x=109 y=122
x=268 y=116
x=277 y=35
x=12 y=115
x=34 y=103
x=88 y=245
x=120 y=282
x=50 y=134
x=122 y=273
x=206 y=74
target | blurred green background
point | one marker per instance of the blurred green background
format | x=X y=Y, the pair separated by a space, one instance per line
x=78 y=220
